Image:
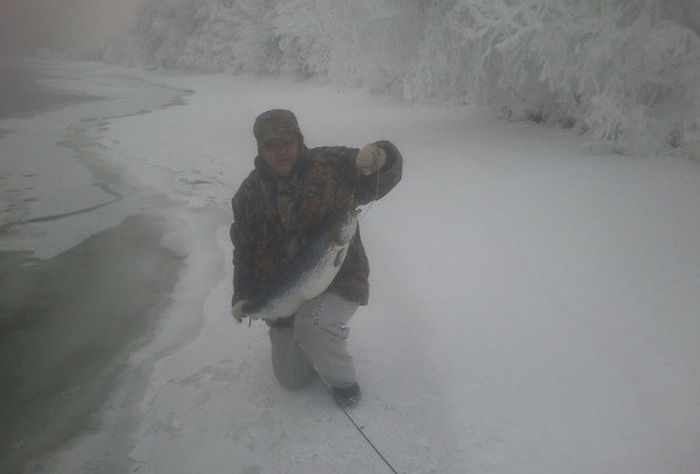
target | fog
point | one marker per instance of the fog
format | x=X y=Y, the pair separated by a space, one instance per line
x=534 y=290
x=30 y=25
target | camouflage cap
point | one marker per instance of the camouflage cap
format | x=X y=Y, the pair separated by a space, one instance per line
x=276 y=124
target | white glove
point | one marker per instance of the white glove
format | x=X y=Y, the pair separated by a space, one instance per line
x=238 y=310
x=370 y=158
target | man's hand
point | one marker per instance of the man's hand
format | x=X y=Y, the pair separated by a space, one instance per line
x=370 y=158
x=238 y=310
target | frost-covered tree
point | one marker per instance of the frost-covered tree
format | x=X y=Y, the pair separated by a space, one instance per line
x=234 y=35
x=163 y=28
x=625 y=71
x=621 y=69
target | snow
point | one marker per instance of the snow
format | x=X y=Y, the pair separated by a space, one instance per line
x=64 y=138
x=626 y=72
x=533 y=304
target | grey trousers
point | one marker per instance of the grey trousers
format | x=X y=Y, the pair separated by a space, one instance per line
x=315 y=343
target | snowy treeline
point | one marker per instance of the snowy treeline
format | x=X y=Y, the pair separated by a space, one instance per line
x=626 y=71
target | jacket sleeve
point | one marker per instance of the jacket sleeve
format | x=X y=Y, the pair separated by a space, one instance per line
x=377 y=185
x=244 y=250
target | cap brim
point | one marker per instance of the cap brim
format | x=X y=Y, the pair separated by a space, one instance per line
x=284 y=137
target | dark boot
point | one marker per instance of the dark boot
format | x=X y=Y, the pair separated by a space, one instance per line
x=347 y=396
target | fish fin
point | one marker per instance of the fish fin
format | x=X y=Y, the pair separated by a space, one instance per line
x=339 y=258
x=238 y=310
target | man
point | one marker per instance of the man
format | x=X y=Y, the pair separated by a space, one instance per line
x=289 y=197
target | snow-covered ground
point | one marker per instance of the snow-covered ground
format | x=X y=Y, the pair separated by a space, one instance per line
x=533 y=309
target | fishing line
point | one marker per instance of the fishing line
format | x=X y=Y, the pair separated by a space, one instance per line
x=358 y=428
x=366 y=209
x=369 y=441
x=354 y=423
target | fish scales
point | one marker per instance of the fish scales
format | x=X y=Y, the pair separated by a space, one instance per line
x=308 y=274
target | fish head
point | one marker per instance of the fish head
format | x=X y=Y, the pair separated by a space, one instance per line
x=344 y=227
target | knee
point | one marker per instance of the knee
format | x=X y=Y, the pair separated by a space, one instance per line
x=293 y=381
x=290 y=366
x=293 y=373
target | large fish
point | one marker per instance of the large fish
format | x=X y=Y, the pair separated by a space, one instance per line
x=308 y=274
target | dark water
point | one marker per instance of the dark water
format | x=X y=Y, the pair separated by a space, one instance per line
x=22 y=96
x=67 y=326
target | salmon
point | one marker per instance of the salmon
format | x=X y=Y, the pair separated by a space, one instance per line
x=308 y=274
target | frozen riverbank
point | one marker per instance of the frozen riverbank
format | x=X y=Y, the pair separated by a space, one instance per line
x=69 y=325
x=83 y=274
x=56 y=183
x=532 y=309
x=23 y=96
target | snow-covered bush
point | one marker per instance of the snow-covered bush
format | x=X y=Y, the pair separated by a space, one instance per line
x=163 y=28
x=625 y=71
x=621 y=69
x=233 y=35
x=304 y=41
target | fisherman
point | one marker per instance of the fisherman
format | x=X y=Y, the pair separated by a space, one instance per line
x=289 y=197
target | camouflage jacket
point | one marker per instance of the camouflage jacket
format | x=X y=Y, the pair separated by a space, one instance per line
x=275 y=218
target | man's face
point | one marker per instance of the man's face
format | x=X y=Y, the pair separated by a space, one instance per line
x=280 y=155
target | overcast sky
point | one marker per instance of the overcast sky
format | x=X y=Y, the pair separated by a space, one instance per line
x=27 y=25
